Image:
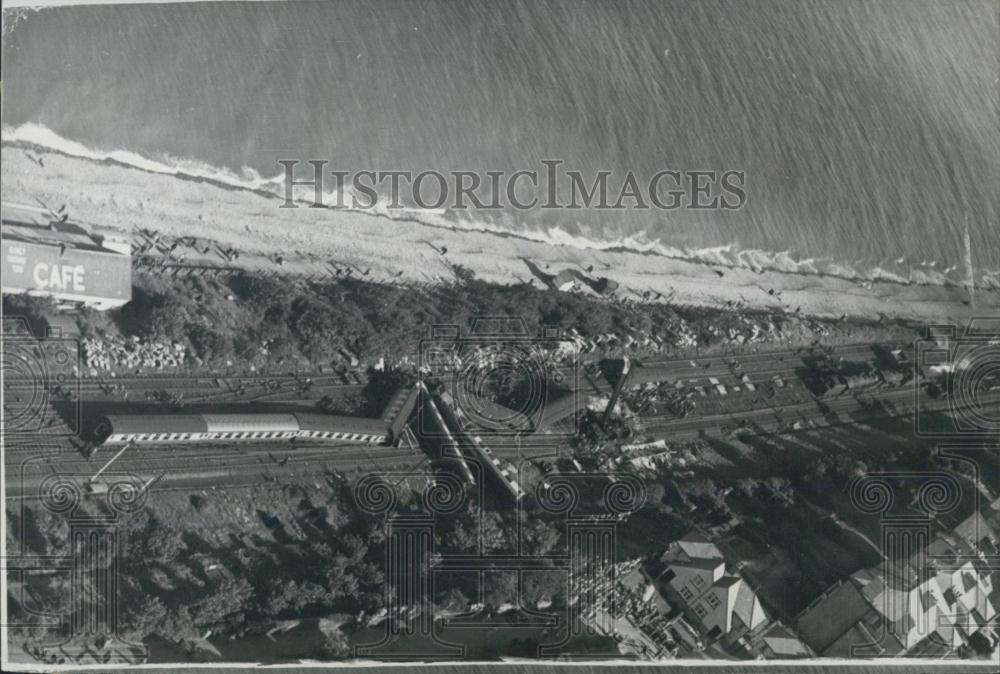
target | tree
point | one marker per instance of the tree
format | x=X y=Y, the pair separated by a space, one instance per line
x=163 y=542
x=595 y=433
x=747 y=486
x=155 y=315
x=228 y=601
x=141 y=615
x=655 y=494
x=501 y=588
x=540 y=536
x=548 y=585
x=283 y=596
x=209 y=344
x=463 y=274
x=453 y=600
x=333 y=647
x=316 y=327
x=340 y=581
x=177 y=626
x=34 y=310
x=462 y=538
x=493 y=532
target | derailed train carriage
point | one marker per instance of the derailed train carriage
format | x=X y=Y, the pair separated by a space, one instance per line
x=121 y=429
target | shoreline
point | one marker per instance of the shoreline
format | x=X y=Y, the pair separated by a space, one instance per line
x=42 y=141
x=111 y=194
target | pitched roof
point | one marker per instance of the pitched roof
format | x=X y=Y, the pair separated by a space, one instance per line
x=728 y=600
x=717 y=602
x=697 y=545
x=699 y=563
x=312 y=421
x=156 y=423
x=974 y=529
x=784 y=643
x=829 y=619
x=858 y=637
x=748 y=607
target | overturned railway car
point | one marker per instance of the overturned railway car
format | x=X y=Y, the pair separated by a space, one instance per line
x=120 y=429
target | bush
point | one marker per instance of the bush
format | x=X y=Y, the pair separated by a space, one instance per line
x=209 y=344
x=35 y=310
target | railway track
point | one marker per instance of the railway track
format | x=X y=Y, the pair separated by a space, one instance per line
x=809 y=410
x=183 y=376
x=760 y=364
x=244 y=464
x=180 y=466
x=766 y=354
x=88 y=385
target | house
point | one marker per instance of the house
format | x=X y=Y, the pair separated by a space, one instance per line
x=778 y=642
x=908 y=606
x=839 y=620
x=720 y=602
x=935 y=600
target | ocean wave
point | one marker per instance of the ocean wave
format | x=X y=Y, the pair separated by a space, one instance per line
x=900 y=270
x=41 y=136
x=730 y=255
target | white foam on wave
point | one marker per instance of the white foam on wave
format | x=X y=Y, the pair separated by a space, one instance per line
x=728 y=255
x=42 y=136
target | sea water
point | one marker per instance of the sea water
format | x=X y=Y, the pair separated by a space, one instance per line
x=869 y=131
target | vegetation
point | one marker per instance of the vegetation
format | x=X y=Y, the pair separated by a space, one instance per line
x=36 y=311
x=190 y=566
x=599 y=436
x=280 y=322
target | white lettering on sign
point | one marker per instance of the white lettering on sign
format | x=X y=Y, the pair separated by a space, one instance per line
x=16 y=258
x=59 y=277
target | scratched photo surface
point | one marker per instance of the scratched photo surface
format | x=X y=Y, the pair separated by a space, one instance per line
x=503 y=334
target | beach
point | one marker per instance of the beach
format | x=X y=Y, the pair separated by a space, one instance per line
x=108 y=195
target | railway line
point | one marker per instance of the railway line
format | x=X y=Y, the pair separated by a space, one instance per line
x=181 y=466
x=774 y=410
x=149 y=411
x=858 y=348
x=762 y=363
x=805 y=411
x=185 y=379
x=91 y=386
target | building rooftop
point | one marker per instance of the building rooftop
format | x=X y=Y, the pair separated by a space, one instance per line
x=341 y=424
x=722 y=603
x=697 y=545
x=827 y=620
x=783 y=643
x=948 y=604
